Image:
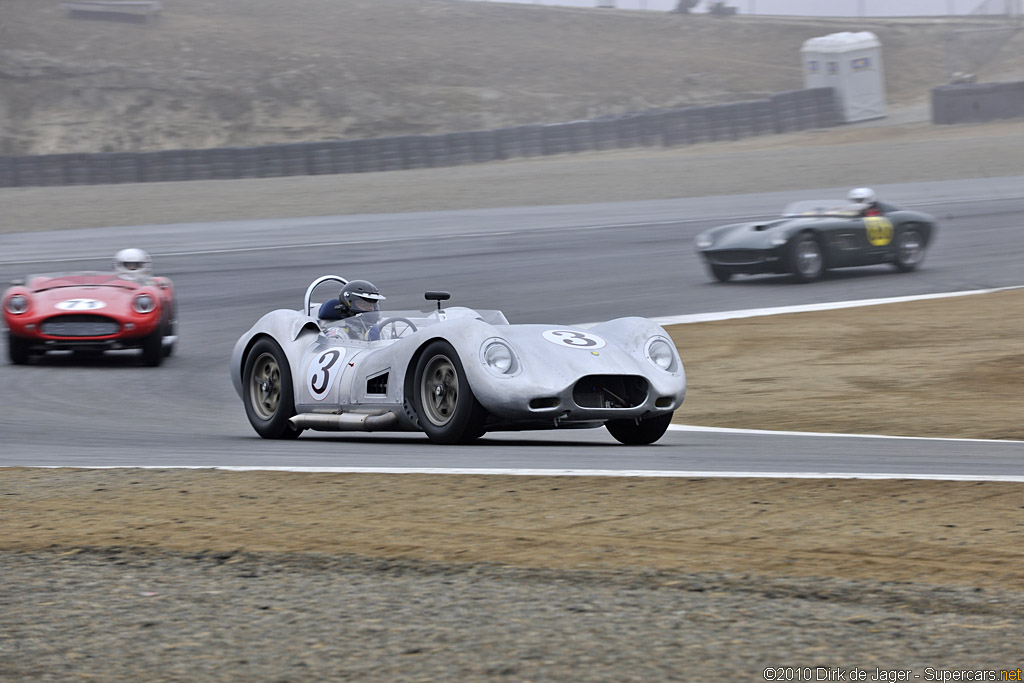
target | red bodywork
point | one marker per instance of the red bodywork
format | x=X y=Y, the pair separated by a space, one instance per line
x=89 y=311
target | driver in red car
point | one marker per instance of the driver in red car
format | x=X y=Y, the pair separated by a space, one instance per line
x=133 y=264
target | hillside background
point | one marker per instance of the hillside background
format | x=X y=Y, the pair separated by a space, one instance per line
x=214 y=73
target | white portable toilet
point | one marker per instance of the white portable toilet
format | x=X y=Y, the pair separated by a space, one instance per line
x=852 y=64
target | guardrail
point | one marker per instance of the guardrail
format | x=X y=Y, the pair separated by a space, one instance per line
x=977 y=102
x=783 y=112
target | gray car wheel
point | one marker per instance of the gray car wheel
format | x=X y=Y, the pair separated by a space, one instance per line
x=909 y=249
x=721 y=273
x=807 y=258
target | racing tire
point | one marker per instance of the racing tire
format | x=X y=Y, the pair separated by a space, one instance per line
x=910 y=247
x=153 y=349
x=18 y=349
x=170 y=329
x=168 y=349
x=639 y=432
x=807 y=258
x=721 y=274
x=445 y=406
x=267 y=391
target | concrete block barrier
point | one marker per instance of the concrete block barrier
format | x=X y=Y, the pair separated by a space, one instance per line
x=786 y=111
x=977 y=102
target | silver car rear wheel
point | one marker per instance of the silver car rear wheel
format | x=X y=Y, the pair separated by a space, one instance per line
x=265 y=386
x=268 y=395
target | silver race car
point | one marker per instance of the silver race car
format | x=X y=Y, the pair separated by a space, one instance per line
x=453 y=373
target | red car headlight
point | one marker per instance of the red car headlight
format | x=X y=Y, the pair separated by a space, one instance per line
x=143 y=303
x=17 y=304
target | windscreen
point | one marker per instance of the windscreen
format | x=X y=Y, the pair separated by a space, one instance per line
x=822 y=207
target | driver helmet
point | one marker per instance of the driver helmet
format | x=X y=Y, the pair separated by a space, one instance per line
x=862 y=196
x=359 y=296
x=132 y=262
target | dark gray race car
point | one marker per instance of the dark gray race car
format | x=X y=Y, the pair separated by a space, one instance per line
x=812 y=236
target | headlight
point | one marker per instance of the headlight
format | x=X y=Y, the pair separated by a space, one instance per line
x=17 y=304
x=498 y=357
x=143 y=303
x=660 y=352
x=704 y=240
x=777 y=240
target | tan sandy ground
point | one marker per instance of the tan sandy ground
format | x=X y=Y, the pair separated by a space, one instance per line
x=967 y=533
x=939 y=368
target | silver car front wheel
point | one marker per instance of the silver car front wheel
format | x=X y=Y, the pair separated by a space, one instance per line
x=446 y=408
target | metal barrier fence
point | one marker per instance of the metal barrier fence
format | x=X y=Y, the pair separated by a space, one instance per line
x=977 y=102
x=783 y=112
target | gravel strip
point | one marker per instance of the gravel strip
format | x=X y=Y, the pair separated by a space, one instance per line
x=126 y=614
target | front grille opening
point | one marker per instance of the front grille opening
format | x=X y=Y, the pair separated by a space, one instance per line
x=663 y=402
x=80 y=325
x=377 y=384
x=543 y=403
x=736 y=256
x=610 y=391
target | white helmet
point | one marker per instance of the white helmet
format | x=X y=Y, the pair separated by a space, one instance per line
x=862 y=195
x=132 y=262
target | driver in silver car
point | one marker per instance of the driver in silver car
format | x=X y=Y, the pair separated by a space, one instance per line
x=358 y=305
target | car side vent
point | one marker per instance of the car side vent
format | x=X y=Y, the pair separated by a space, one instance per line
x=377 y=384
x=544 y=403
x=610 y=391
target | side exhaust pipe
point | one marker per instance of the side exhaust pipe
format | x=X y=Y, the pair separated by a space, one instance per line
x=345 y=422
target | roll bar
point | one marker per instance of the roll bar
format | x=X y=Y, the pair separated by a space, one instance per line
x=316 y=283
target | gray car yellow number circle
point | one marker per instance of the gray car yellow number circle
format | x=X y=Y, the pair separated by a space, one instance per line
x=879 y=230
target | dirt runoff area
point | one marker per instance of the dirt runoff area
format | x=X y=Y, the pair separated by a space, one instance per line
x=936 y=368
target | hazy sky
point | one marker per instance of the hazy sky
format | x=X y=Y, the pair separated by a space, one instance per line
x=822 y=8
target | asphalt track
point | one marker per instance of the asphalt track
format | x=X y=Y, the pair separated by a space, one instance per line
x=567 y=264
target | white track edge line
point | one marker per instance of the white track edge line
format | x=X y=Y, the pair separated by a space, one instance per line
x=808 y=308
x=771 y=432
x=695 y=474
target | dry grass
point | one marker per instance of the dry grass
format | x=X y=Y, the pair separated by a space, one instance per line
x=216 y=73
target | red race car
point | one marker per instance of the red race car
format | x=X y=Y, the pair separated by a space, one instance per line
x=92 y=312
